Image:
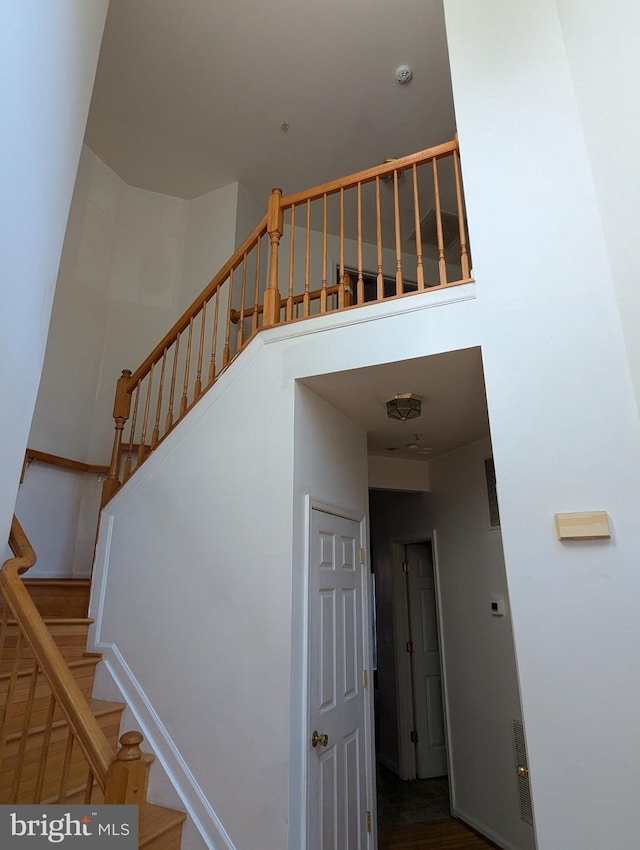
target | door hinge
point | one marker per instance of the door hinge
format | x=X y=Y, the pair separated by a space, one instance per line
x=362 y=556
x=368 y=821
x=410 y=647
x=414 y=736
x=405 y=567
x=365 y=679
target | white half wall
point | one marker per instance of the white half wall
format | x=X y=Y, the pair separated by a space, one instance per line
x=49 y=52
x=196 y=611
x=195 y=572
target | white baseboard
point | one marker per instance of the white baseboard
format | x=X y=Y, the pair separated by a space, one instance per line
x=193 y=799
x=483 y=829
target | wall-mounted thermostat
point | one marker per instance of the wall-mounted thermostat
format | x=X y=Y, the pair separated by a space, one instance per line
x=497 y=606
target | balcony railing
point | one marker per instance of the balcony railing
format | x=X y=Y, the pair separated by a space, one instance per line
x=392 y=231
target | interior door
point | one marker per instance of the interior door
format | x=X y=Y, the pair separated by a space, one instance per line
x=431 y=752
x=337 y=782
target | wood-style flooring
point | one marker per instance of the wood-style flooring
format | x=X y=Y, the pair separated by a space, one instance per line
x=449 y=835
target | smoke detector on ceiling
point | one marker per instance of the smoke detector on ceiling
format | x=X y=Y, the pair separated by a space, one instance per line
x=403 y=74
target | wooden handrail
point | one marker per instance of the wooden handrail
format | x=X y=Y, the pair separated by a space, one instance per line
x=90 y=736
x=123 y=776
x=400 y=164
x=25 y=557
x=370 y=174
x=64 y=462
x=196 y=306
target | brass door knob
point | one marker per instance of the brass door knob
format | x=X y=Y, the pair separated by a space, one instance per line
x=319 y=739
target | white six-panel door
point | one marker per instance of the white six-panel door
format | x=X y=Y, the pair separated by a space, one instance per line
x=337 y=782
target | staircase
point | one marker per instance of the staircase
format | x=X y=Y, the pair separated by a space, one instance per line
x=41 y=760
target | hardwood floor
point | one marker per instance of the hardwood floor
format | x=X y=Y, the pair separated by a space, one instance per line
x=449 y=835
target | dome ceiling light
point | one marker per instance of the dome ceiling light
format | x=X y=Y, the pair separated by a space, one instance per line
x=404 y=406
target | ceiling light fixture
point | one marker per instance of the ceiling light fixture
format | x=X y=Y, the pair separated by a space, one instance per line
x=404 y=406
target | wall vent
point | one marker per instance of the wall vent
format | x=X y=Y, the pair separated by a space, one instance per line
x=492 y=493
x=522 y=772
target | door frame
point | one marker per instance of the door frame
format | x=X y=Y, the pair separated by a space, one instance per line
x=404 y=706
x=302 y=744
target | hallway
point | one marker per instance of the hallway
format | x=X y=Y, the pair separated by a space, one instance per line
x=448 y=835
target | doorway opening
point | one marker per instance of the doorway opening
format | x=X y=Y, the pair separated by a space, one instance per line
x=434 y=486
x=411 y=753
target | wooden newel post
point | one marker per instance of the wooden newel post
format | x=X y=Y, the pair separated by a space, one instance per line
x=275 y=225
x=129 y=773
x=121 y=408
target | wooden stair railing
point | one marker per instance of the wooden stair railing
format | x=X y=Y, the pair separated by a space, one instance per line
x=335 y=234
x=61 y=462
x=122 y=777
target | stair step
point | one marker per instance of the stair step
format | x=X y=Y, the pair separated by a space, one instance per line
x=58 y=597
x=83 y=670
x=160 y=828
x=69 y=633
x=25 y=667
x=108 y=715
x=63 y=604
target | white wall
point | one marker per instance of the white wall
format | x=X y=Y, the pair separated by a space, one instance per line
x=389 y=473
x=477 y=648
x=563 y=415
x=249 y=214
x=211 y=239
x=184 y=605
x=49 y=53
x=605 y=67
x=59 y=510
x=132 y=261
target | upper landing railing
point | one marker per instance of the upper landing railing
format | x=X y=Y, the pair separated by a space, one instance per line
x=388 y=232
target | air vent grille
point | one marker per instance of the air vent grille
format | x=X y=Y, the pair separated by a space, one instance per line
x=492 y=493
x=522 y=772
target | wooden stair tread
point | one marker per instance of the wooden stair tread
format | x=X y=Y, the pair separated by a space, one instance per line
x=87 y=658
x=99 y=707
x=156 y=821
x=61 y=621
x=55 y=597
x=57 y=582
x=160 y=828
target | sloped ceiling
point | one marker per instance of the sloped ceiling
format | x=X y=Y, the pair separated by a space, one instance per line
x=191 y=95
